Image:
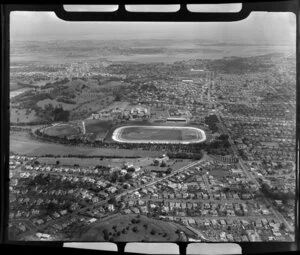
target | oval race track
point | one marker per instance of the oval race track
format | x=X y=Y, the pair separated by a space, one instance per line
x=158 y=134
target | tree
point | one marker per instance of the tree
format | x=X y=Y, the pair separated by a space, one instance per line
x=169 y=170
x=114 y=176
x=153 y=232
x=127 y=176
x=106 y=237
x=130 y=170
x=112 y=200
x=117 y=97
x=121 y=178
x=282 y=227
x=223 y=137
x=163 y=164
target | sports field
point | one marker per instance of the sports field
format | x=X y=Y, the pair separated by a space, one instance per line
x=62 y=130
x=158 y=134
x=97 y=126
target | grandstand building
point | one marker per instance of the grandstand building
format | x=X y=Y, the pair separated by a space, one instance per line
x=172 y=119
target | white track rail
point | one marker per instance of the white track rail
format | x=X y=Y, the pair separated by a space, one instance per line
x=117 y=135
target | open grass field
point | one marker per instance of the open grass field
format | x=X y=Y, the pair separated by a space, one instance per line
x=122 y=229
x=97 y=126
x=22 y=115
x=23 y=145
x=158 y=134
x=137 y=133
x=87 y=162
x=66 y=107
x=174 y=163
x=119 y=104
x=219 y=173
x=62 y=130
x=92 y=102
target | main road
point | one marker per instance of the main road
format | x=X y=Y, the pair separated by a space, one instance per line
x=163 y=178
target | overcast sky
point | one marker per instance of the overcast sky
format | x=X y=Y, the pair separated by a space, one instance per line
x=258 y=28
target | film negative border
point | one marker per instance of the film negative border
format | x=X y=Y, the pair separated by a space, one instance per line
x=183 y=15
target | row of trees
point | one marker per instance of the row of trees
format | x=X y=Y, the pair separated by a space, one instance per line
x=212 y=122
x=65 y=100
x=57 y=113
x=32 y=123
x=20 y=128
x=275 y=194
x=55 y=84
